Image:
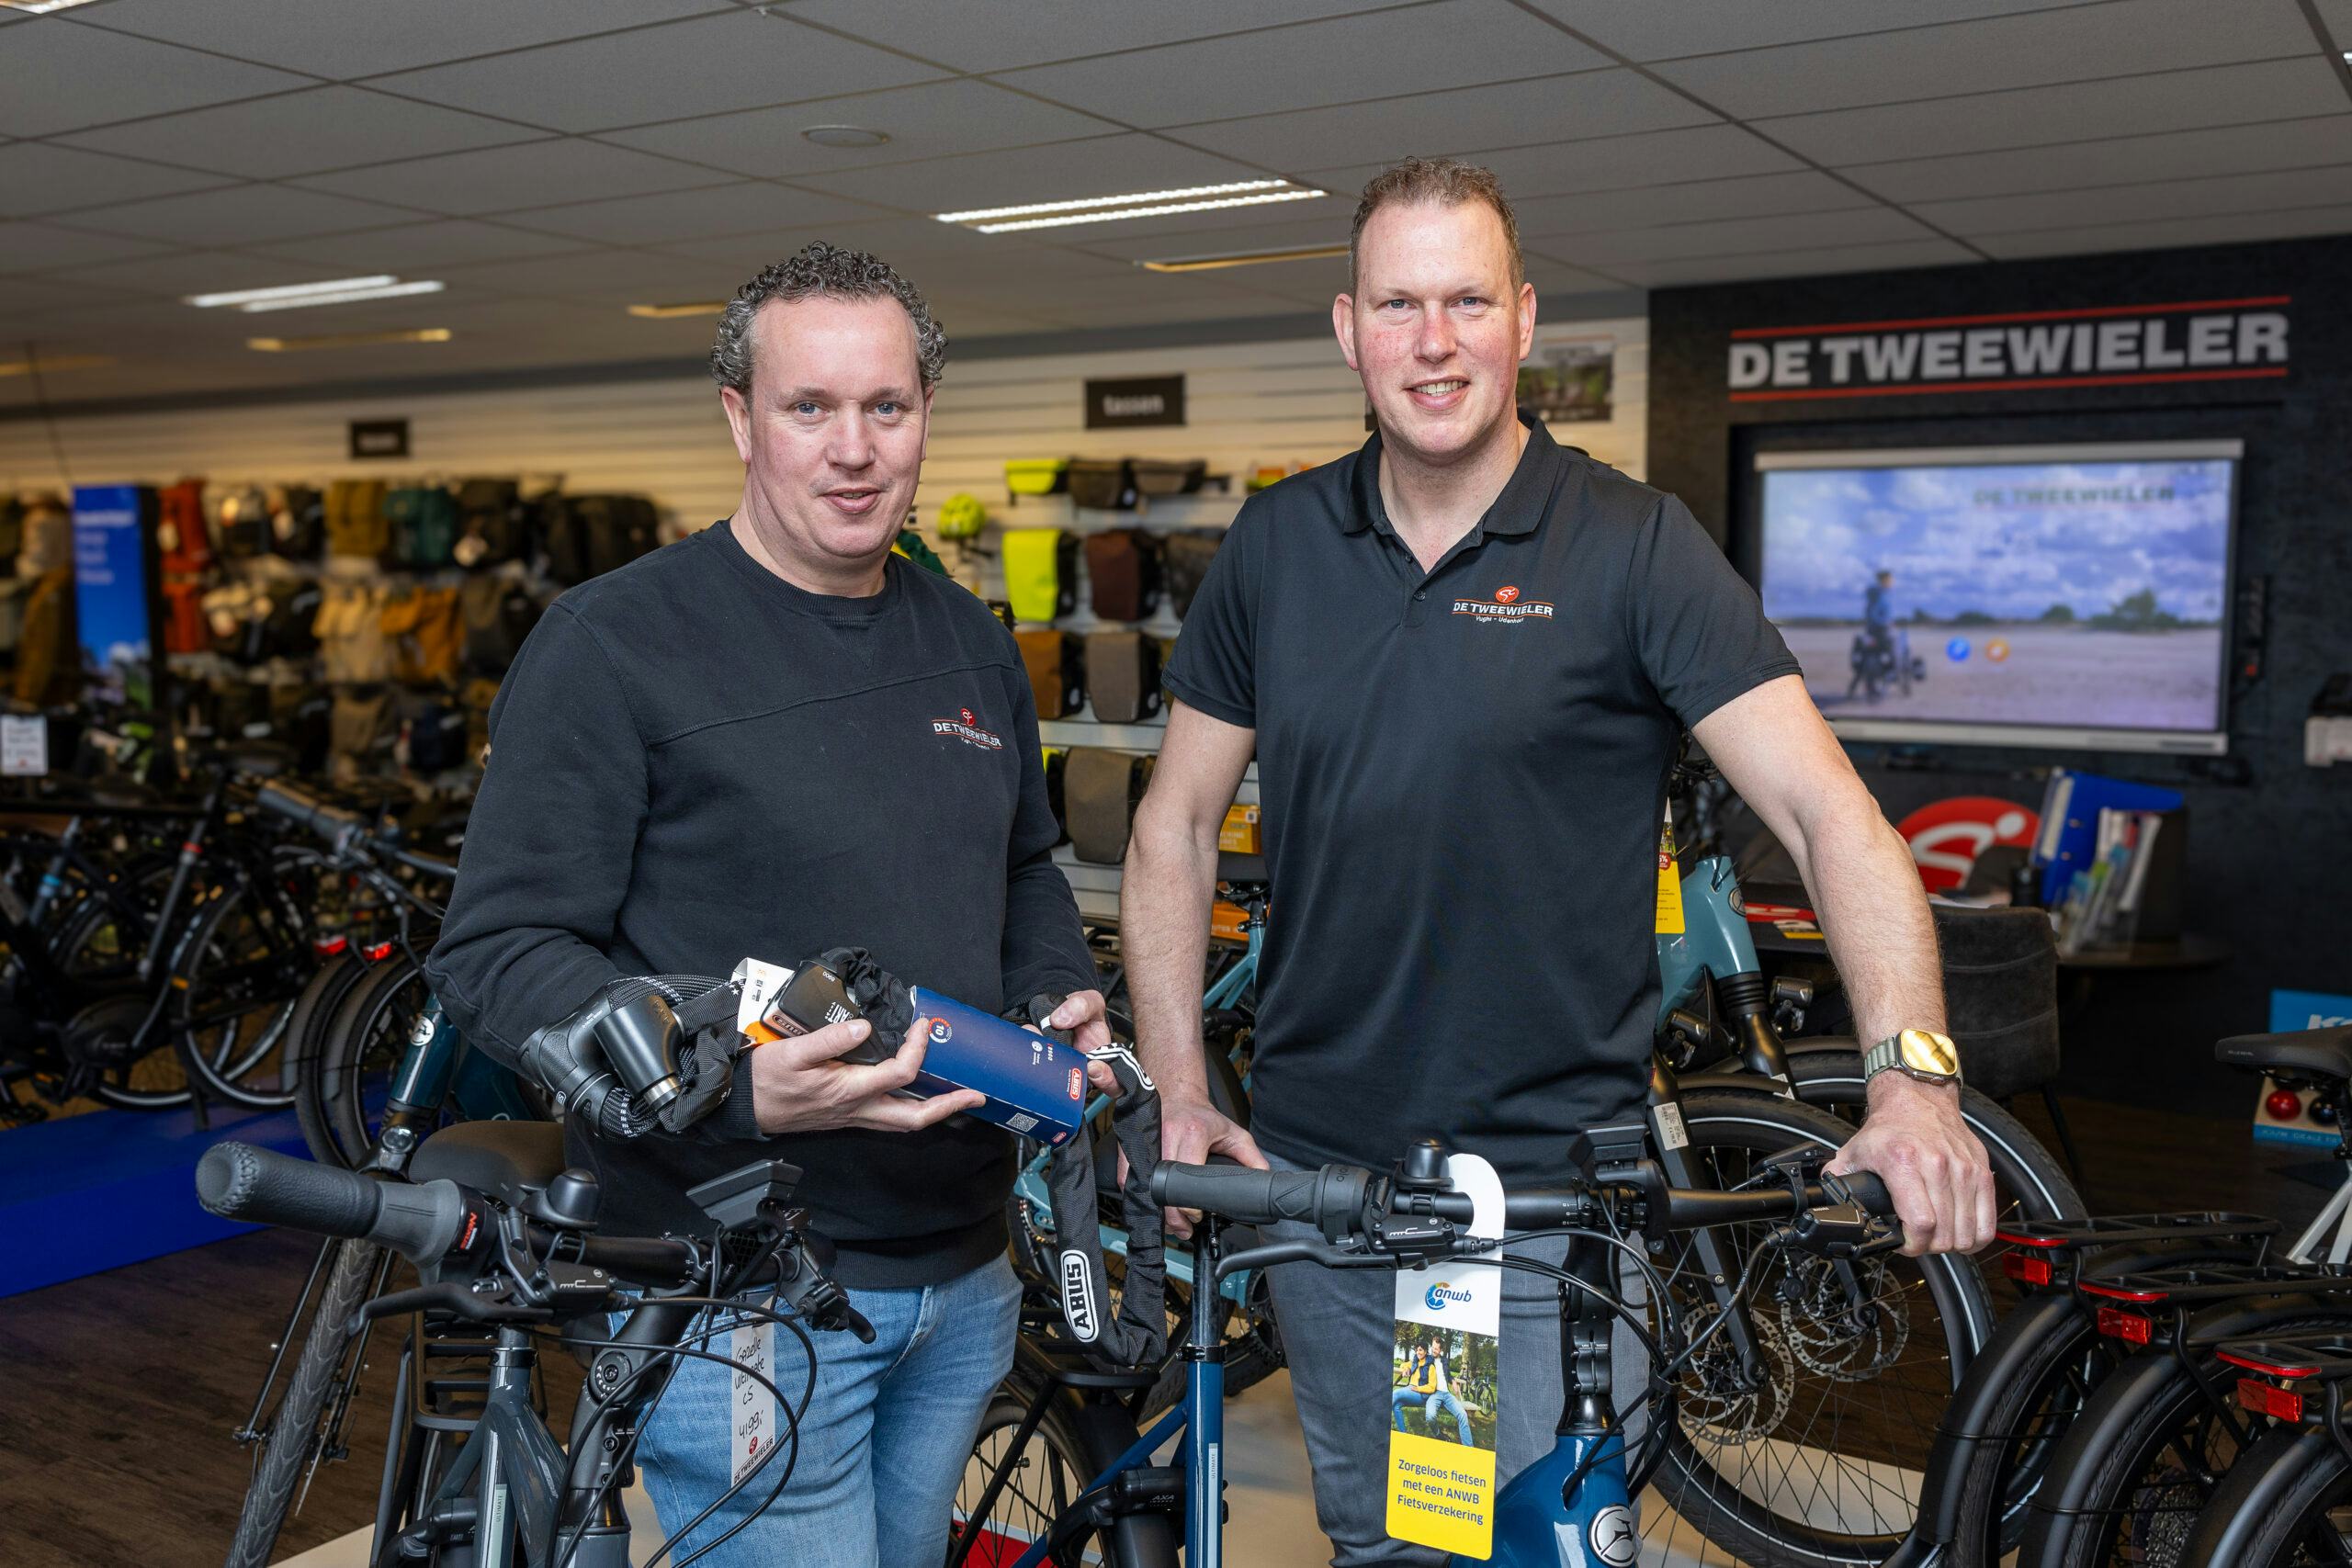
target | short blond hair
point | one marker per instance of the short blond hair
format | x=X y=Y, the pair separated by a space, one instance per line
x=1444 y=182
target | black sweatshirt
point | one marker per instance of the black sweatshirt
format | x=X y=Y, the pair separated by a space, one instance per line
x=693 y=762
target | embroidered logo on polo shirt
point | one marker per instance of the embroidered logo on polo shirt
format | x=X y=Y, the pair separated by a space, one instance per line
x=1506 y=607
x=966 y=727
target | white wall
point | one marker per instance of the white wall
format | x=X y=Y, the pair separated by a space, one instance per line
x=1249 y=404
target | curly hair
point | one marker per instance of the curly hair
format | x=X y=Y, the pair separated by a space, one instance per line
x=822 y=269
x=1445 y=181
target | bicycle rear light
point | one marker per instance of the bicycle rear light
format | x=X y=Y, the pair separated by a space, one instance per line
x=2128 y=1326
x=2266 y=1399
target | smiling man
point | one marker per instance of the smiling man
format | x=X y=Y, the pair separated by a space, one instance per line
x=1463 y=658
x=717 y=751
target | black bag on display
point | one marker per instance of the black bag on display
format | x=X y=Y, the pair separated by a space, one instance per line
x=298 y=719
x=434 y=736
x=497 y=612
x=297 y=523
x=240 y=709
x=494 y=525
x=590 y=534
x=244 y=523
x=1188 y=557
x=1123 y=675
x=1101 y=790
x=1057 y=758
x=1104 y=484
x=289 y=620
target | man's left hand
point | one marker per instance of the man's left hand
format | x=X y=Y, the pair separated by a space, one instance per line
x=1081 y=1013
x=1914 y=1139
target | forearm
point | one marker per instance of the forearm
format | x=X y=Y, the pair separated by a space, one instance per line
x=1874 y=913
x=1168 y=881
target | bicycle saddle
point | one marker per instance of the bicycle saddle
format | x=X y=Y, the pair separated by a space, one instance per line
x=1234 y=867
x=504 y=1159
x=2308 y=1053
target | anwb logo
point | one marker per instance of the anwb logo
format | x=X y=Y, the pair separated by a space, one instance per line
x=1440 y=1294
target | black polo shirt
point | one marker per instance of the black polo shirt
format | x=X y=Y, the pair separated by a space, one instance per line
x=1463 y=773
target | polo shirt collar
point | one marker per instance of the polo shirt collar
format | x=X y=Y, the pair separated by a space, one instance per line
x=1518 y=509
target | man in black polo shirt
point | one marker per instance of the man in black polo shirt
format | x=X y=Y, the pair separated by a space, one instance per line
x=1463 y=658
x=768 y=739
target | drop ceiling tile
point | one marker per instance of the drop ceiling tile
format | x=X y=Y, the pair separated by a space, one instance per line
x=2141 y=106
x=709 y=64
x=2085 y=43
x=1553 y=280
x=1607 y=163
x=1103 y=166
x=242 y=215
x=1737 y=235
x=502 y=179
x=37 y=298
x=1133 y=241
x=353 y=38
x=1890 y=255
x=1761 y=196
x=1002 y=38
x=38 y=247
x=57 y=75
x=2281 y=190
x=298 y=134
x=181 y=273
x=1646 y=30
x=602 y=276
x=409 y=247
x=745 y=207
x=1420 y=49
x=1591 y=103
x=1112 y=316
x=2337 y=17
x=2171 y=233
x=37 y=177
x=2185 y=154
x=933 y=120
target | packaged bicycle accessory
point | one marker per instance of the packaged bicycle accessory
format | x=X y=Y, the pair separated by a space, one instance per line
x=1239 y=833
x=1123 y=569
x=1037 y=476
x=1442 y=1446
x=1188 y=557
x=1103 y=483
x=1123 y=675
x=1056 y=663
x=1040 y=573
x=1034 y=1086
x=1102 y=789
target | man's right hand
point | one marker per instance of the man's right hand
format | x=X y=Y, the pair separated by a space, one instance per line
x=1191 y=1130
x=799 y=1085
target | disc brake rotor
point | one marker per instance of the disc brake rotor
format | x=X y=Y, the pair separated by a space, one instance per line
x=1714 y=1404
x=1849 y=1326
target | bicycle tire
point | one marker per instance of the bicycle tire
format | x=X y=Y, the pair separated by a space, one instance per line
x=274 y=954
x=306 y=1036
x=2034 y=1409
x=294 y=1428
x=365 y=1022
x=2262 y=1513
x=1953 y=1314
x=155 y=1080
x=2099 y=1483
x=1079 y=1442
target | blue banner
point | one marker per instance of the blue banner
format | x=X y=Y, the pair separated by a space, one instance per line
x=2308 y=1009
x=112 y=598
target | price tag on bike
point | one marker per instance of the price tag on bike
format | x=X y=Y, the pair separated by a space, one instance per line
x=1447 y=1382
x=24 y=745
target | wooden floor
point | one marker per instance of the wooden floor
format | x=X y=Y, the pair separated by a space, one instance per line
x=120 y=1393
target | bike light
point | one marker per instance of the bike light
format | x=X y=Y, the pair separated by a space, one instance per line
x=2026 y=1270
x=2264 y=1399
x=2128 y=1326
x=379 y=952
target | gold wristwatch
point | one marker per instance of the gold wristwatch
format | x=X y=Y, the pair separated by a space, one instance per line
x=1919 y=1053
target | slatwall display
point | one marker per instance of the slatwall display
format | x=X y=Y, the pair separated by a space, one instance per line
x=1264 y=404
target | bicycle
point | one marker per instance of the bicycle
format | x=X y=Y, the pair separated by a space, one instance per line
x=1073 y=1475
x=2285 y=1503
x=503 y=1238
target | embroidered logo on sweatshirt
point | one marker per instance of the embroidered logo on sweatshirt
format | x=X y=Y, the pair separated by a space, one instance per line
x=966 y=727
x=1506 y=607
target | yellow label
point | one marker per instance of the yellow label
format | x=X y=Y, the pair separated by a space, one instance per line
x=1442 y=1493
x=1239 y=833
x=1670 y=885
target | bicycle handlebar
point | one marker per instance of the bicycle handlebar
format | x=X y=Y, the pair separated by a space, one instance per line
x=337 y=825
x=238 y=1182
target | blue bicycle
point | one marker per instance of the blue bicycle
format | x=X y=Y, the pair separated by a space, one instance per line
x=1062 y=1475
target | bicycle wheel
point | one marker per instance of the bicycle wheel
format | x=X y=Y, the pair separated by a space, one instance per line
x=2034 y=1406
x=2286 y=1504
x=361 y=1046
x=306 y=1038
x=238 y=969
x=1820 y=1464
x=100 y=941
x=294 y=1429
x=1043 y=1475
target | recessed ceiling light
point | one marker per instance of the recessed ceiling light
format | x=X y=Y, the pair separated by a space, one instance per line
x=1107 y=206
x=40 y=7
x=1164 y=210
x=668 y=313
x=1242 y=258
x=44 y=366
x=295 y=296
x=347 y=340
x=844 y=136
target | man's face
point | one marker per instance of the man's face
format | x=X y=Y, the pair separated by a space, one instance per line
x=1435 y=327
x=832 y=434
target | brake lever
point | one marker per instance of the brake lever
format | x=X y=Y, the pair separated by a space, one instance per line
x=448 y=1296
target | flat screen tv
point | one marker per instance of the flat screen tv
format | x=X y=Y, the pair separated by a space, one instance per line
x=2067 y=596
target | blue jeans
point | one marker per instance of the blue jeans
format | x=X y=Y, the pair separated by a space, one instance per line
x=883 y=1443
x=1440 y=1402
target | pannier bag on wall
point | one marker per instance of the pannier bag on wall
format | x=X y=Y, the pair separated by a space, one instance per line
x=1099 y=790
x=1160 y=476
x=589 y=535
x=1106 y=484
x=355 y=519
x=1123 y=569
x=1055 y=662
x=297 y=522
x=182 y=537
x=422 y=523
x=497 y=613
x=1123 y=675
x=1056 y=758
x=493 y=527
x=1040 y=573
x=244 y=523
x=350 y=628
x=1188 y=557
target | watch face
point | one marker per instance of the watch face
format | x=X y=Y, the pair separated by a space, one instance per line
x=1925 y=1051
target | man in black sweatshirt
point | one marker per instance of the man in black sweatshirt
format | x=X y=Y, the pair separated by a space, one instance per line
x=770 y=739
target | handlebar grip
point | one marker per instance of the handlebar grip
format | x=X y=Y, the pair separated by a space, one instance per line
x=1867 y=1189
x=238 y=1182
x=1331 y=1199
x=299 y=806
